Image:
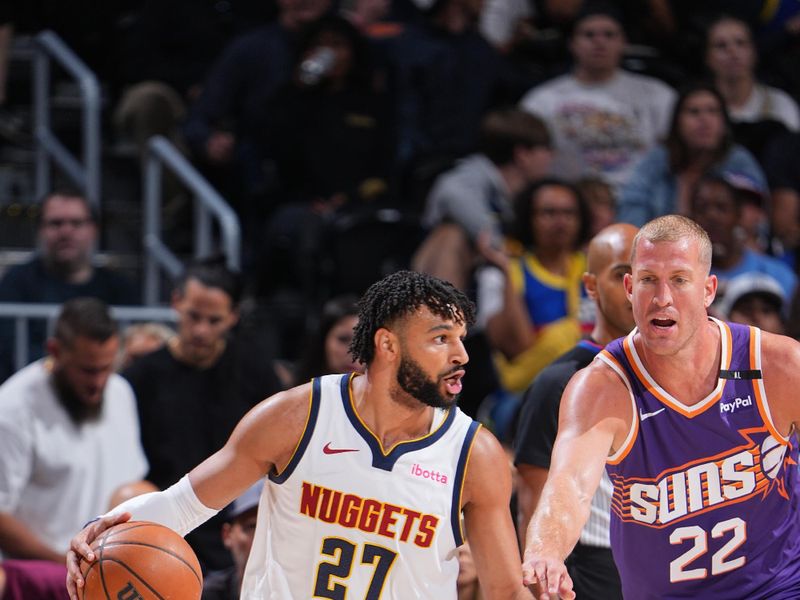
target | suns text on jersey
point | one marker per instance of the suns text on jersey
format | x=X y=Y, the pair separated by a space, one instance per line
x=368 y=515
x=697 y=487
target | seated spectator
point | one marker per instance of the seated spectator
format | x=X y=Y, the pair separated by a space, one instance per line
x=61 y=269
x=755 y=299
x=192 y=392
x=717 y=207
x=475 y=196
x=603 y=119
x=782 y=166
x=329 y=130
x=758 y=111
x=69 y=436
x=140 y=339
x=328 y=349
x=224 y=124
x=534 y=306
x=445 y=78
x=601 y=201
x=238 y=529
x=699 y=140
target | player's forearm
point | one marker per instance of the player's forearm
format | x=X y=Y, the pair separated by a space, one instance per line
x=18 y=541
x=177 y=507
x=557 y=522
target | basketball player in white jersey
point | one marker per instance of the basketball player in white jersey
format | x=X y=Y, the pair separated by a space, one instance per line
x=368 y=475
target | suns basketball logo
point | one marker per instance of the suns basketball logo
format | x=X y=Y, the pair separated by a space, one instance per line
x=772 y=455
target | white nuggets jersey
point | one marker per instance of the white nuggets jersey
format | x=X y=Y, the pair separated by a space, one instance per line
x=348 y=520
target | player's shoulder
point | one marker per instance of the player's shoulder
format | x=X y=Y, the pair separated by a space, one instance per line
x=779 y=353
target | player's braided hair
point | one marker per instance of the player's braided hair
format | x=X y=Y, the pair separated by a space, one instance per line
x=398 y=295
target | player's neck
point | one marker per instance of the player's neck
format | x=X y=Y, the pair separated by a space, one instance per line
x=701 y=357
x=390 y=420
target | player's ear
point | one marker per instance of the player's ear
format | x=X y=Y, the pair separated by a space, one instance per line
x=710 y=289
x=53 y=347
x=627 y=281
x=385 y=343
x=590 y=283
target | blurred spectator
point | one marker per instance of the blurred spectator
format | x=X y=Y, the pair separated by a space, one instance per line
x=238 y=530
x=192 y=392
x=475 y=196
x=140 y=339
x=61 y=269
x=167 y=51
x=699 y=140
x=600 y=199
x=328 y=349
x=782 y=166
x=224 y=123
x=755 y=299
x=603 y=119
x=445 y=77
x=758 y=111
x=69 y=436
x=534 y=306
x=717 y=207
x=329 y=129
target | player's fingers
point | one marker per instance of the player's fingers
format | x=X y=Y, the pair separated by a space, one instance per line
x=528 y=574
x=74 y=578
x=565 y=591
x=540 y=572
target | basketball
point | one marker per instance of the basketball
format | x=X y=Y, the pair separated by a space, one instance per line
x=139 y=560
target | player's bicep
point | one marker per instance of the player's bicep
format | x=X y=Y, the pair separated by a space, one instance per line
x=594 y=410
x=264 y=440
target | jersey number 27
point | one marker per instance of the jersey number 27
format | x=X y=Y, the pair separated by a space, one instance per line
x=343 y=552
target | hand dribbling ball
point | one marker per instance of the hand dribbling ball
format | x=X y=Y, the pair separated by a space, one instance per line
x=139 y=560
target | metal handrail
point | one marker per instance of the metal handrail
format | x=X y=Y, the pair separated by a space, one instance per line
x=84 y=173
x=24 y=312
x=208 y=203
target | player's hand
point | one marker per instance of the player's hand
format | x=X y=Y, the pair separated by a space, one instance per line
x=80 y=548
x=548 y=576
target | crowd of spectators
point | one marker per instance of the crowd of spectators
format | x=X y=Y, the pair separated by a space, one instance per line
x=506 y=132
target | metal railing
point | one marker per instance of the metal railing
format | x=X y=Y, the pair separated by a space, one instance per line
x=24 y=312
x=208 y=203
x=84 y=173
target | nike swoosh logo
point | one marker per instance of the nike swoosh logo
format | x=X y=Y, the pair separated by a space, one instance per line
x=328 y=450
x=643 y=416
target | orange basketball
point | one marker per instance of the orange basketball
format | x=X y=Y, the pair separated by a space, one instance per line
x=139 y=560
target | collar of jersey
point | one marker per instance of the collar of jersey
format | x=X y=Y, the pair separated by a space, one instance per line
x=385 y=459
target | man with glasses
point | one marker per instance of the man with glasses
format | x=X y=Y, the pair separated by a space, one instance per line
x=603 y=119
x=60 y=269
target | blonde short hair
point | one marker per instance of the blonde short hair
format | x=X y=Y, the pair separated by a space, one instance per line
x=675 y=228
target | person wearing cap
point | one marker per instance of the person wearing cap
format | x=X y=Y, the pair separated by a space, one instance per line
x=755 y=299
x=603 y=119
x=237 y=536
x=717 y=207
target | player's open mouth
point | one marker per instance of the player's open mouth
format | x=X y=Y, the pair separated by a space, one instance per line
x=663 y=323
x=453 y=382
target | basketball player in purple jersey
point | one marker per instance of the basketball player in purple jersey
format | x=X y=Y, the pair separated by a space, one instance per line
x=693 y=420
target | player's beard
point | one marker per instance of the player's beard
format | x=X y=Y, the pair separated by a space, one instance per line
x=413 y=381
x=79 y=411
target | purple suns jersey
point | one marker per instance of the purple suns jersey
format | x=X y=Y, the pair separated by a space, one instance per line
x=705 y=501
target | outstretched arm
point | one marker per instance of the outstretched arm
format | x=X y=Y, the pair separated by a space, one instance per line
x=487 y=517
x=594 y=419
x=265 y=438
